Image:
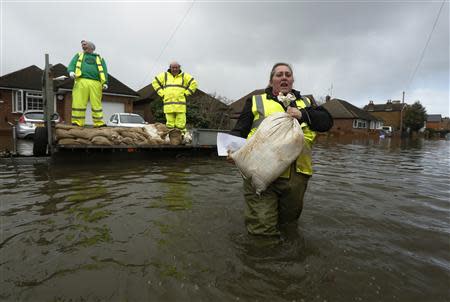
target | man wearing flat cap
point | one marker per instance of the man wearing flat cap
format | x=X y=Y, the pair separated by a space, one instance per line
x=173 y=86
x=89 y=71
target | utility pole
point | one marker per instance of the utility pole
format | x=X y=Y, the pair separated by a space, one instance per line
x=401 y=113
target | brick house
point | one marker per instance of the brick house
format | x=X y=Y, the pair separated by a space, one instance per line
x=434 y=121
x=22 y=90
x=349 y=119
x=391 y=113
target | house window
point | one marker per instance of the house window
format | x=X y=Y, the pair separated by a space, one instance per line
x=18 y=101
x=359 y=124
x=34 y=101
x=24 y=100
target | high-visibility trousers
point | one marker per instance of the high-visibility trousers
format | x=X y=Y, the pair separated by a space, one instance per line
x=83 y=91
x=176 y=120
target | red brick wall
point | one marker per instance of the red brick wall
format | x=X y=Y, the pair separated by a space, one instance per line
x=6 y=114
x=345 y=126
x=63 y=107
x=390 y=118
x=434 y=125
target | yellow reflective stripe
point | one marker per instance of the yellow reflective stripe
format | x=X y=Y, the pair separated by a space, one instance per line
x=98 y=110
x=175 y=85
x=79 y=109
x=159 y=83
x=78 y=65
x=100 y=69
x=260 y=108
x=189 y=84
x=174 y=103
x=97 y=118
x=78 y=117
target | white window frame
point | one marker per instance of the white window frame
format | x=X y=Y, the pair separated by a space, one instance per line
x=17 y=103
x=34 y=95
x=359 y=124
x=375 y=125
x=20 y=99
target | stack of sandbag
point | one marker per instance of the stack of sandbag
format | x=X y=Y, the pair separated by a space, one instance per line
x=275 y=145
x=152 y=134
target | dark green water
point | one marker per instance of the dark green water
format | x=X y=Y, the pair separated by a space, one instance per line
x=375 y=227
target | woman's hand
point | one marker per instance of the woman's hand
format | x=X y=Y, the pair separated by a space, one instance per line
x=294 y=112
x=229 y=158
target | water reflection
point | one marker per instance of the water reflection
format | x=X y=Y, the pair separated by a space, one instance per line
x=374 y=227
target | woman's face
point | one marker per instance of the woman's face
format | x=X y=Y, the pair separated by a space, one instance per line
x=282 y=80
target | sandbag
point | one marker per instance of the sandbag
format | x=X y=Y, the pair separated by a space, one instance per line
x=274 y=146
x=175 y=137
x=101 y=140
x=69 y=141
x=63 y=133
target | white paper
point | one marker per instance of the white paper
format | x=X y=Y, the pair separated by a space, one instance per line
x=227 y=142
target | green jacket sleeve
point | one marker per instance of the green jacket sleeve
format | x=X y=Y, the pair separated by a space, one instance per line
x=72 y=64
x=105 y=70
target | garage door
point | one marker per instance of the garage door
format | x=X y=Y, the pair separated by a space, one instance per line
x=108 y=109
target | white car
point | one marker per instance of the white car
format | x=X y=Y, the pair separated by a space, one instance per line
x=387 y=130
x=126 y=120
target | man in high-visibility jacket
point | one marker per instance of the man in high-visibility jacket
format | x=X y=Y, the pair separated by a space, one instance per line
x=173 y=86
x=89 y=71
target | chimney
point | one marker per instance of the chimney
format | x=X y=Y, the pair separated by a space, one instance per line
x=327 y=99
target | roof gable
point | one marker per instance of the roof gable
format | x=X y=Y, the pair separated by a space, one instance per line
x=389 y=106
x=26 y=78
x=434 y=118
x=343 y=109
x=30 y=78
x=114 y=85
x=148 y=94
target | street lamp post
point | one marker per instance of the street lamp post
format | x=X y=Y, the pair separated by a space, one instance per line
x=401 y=114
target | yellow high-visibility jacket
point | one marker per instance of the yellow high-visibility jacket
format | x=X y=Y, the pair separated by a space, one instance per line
x=174 y=89
x=263 y=107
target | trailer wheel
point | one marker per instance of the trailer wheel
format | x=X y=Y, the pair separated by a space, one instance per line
x=40 y=141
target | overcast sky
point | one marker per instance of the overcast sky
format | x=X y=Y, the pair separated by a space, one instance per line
x=354 y=50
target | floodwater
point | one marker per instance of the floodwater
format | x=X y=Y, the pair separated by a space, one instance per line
x=375 y=227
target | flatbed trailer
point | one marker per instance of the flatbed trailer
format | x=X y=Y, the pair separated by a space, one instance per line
x=45 y=144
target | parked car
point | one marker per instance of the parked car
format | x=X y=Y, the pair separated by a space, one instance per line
x=30 y=120
x=126 y=120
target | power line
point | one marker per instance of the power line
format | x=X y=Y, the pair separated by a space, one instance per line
x=426 y=45
x=168 y=41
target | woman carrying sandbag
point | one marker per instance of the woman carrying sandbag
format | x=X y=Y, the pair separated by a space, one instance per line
x=281 y=203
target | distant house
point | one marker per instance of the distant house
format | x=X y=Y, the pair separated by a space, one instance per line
x=22 y=90
x=238 y=106
x=351 y=119
x=446 y=123
x=434 y=121
x=210 y=107
x=391 y=113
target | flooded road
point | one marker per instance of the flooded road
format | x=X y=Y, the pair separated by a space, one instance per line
x=375 y=227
